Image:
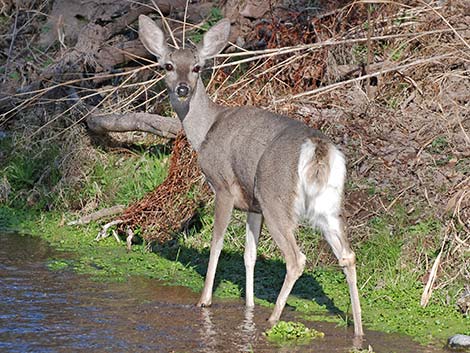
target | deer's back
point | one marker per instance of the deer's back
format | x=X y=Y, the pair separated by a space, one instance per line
x=239 y=138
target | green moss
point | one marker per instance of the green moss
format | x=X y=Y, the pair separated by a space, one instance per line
x=56 y=265
x=227 y=289
x=292 y=333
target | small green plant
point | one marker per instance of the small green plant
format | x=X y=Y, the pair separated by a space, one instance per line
x=393 y=102
x=400 y=20
x=397 y=54
x=227 y=289
x=292 y=332
x=214 y=17
x=359 y=53
x=46 y=63
x=57 y=265
x=4 y=20
x=15 y=76
x=46 y=28
x=438 y=145
x=463 y=166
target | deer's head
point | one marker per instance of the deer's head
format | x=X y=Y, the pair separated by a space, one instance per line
x=182 y=66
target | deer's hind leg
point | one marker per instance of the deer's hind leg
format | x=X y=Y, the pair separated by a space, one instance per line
x=282 y=230
x=275 y=191
x=333 y=231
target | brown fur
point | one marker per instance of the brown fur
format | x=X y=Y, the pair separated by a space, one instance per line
x=319 y=165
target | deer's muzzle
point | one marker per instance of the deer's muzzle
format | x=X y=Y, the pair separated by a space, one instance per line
x=182 y=91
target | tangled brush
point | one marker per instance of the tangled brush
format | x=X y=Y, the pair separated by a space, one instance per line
x=173 y=203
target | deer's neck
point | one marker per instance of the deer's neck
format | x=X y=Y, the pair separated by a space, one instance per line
x=197 y=114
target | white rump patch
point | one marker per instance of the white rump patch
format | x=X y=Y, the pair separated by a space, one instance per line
x=316 y=202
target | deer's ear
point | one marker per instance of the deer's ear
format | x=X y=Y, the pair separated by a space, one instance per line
x=215 y=40
x=152 y=37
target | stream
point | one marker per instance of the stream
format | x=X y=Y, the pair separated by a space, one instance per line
x=61 y=311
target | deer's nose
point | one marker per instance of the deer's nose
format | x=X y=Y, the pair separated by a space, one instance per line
x=182 y=90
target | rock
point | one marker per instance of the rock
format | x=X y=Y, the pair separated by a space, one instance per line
x=459 y=342
x=255 y=9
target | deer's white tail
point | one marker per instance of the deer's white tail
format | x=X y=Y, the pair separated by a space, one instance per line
x=321 y=172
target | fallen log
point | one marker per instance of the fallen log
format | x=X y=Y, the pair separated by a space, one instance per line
x=145 y=122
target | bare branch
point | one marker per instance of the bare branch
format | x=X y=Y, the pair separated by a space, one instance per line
x=106 y=212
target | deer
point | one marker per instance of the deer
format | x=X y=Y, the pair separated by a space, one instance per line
x=277 y=169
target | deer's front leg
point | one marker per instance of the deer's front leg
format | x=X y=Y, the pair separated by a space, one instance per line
x=253 y=229
x=223 y=211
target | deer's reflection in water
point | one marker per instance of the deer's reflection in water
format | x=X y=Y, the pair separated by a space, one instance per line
x=214 y=338
x=247 y=331
x=208 y=331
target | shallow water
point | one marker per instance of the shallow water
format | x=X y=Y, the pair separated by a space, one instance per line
x=59 y=311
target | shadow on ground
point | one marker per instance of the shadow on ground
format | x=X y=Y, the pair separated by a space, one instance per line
x=269 y=275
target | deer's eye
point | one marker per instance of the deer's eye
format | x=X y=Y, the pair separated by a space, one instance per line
x=169 y=67
x=196 y=69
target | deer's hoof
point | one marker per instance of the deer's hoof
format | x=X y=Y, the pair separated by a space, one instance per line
x=272 y=322
x=204 y=304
